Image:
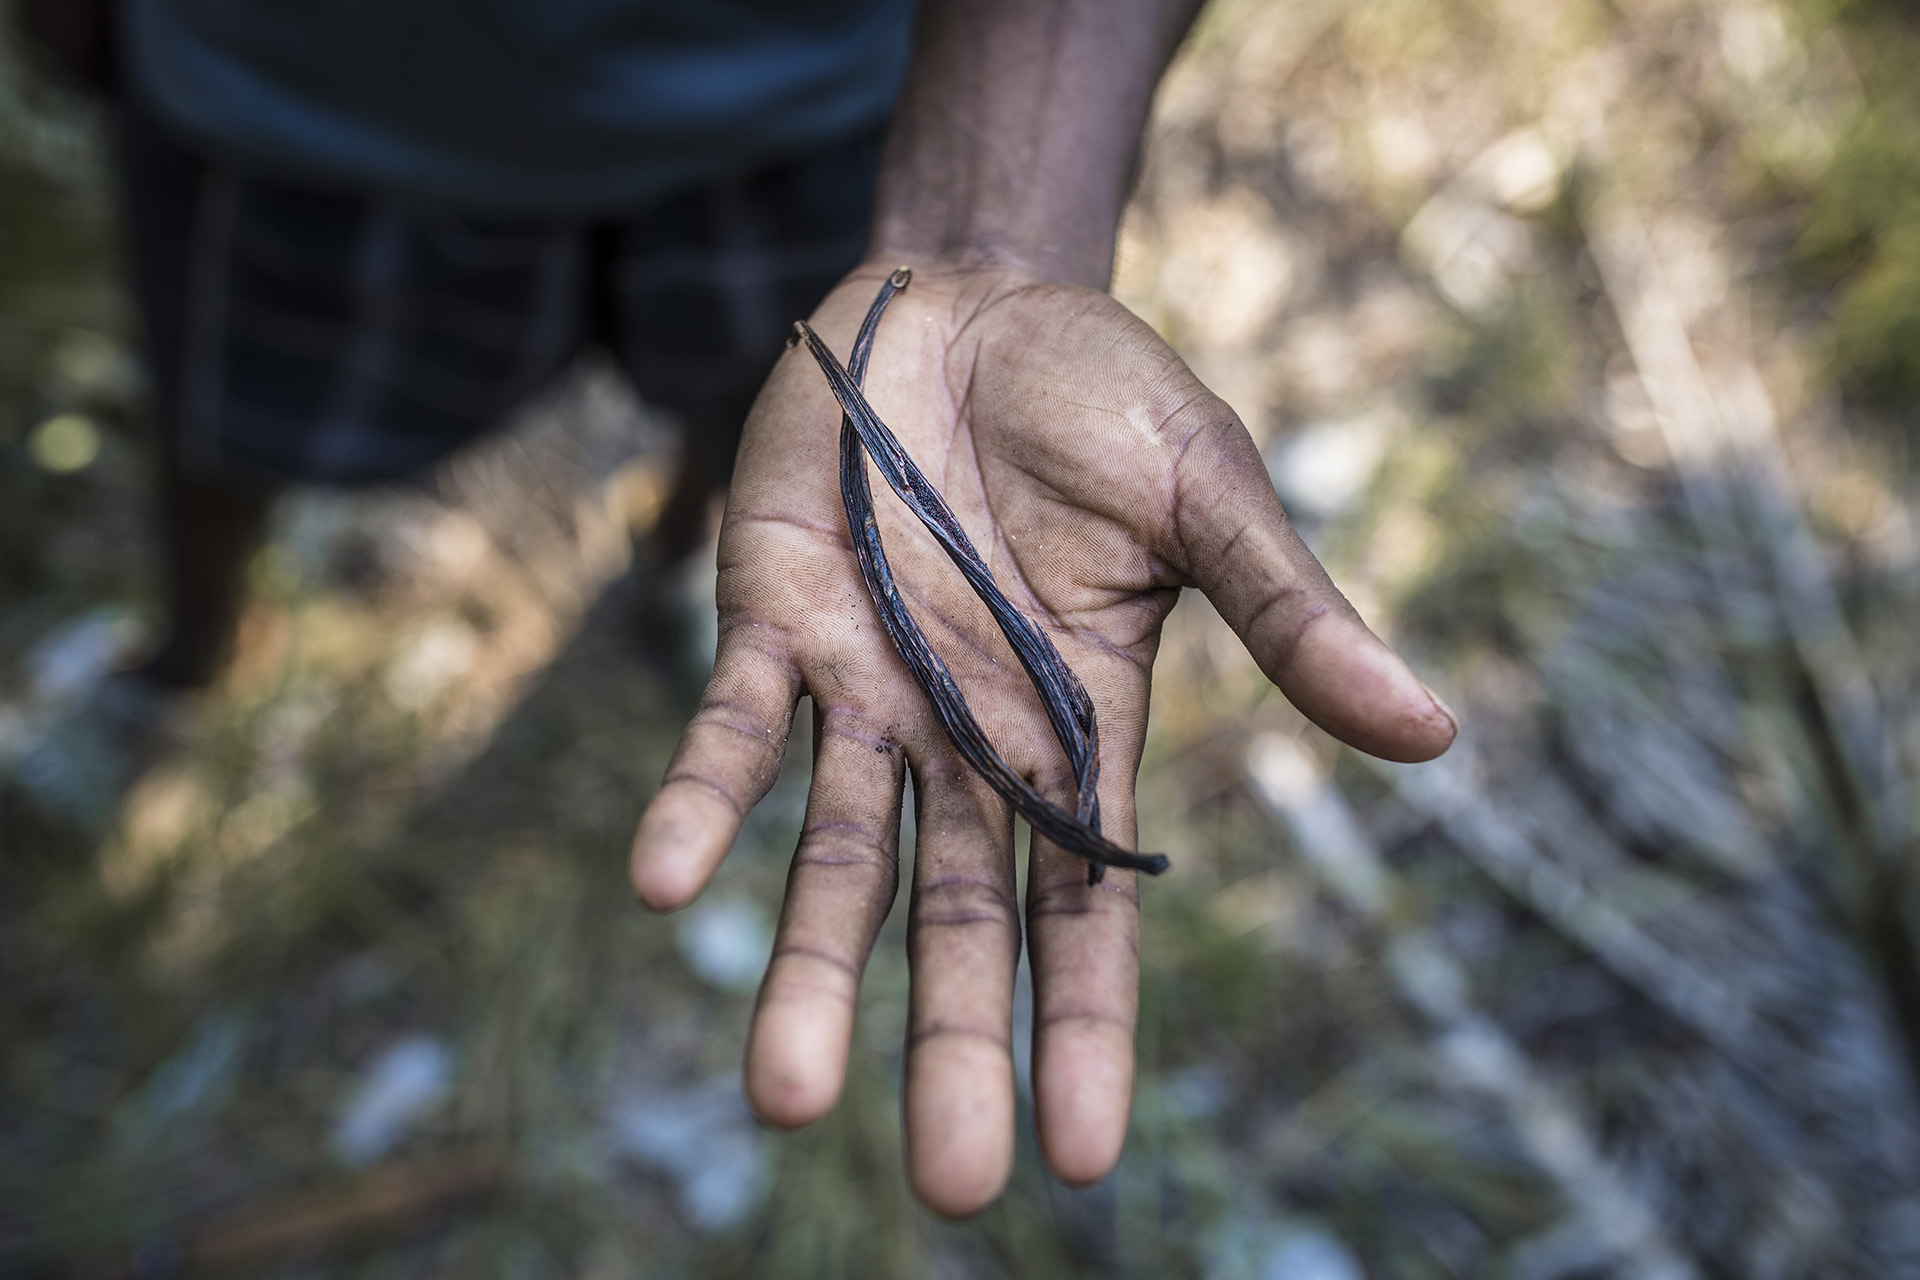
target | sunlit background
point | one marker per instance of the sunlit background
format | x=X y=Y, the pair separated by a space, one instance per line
x=1583 y=340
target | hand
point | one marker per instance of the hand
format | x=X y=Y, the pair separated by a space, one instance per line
x=1097 y=477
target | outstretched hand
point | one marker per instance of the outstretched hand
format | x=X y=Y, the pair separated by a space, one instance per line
x=1097 y=477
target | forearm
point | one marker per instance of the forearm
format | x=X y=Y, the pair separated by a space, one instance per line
x=1015 y=138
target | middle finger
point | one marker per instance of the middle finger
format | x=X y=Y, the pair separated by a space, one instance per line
x=963 y=945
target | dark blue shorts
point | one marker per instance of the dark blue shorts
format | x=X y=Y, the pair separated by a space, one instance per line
x=298 y=333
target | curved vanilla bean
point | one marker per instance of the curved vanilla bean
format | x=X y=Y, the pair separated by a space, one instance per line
x=1069 y=708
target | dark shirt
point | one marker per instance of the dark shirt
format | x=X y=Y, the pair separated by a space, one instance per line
x=516 y=105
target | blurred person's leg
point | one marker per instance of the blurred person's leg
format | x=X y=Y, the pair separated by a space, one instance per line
x=209 y=527
x=209 y=534
x=208 y=530
x=73 y=41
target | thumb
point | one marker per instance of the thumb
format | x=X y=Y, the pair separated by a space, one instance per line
x=1240 y=549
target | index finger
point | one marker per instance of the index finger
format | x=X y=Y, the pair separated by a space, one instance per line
x=727 y=760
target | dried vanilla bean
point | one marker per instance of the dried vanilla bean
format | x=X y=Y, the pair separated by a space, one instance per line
x=1068 y=706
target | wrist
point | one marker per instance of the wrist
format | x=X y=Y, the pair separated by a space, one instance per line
x=1014 y=144
x=1066 y=237
x=1079 y=255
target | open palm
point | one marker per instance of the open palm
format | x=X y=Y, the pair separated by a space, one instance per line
x=1097 y=477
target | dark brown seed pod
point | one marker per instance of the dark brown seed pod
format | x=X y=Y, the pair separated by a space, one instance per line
x=1068 y=706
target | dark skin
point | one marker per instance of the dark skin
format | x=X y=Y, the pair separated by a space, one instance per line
x=208 y=530
x=208 y=534
x=74 y=40
x=1098 y=477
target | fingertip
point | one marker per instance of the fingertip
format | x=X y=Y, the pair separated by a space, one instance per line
x=1080 y=1164
x=1083 y=1094
x=676 y=849
x=727 y=759
x=783 y=1098
x=1346 y=680
x=661 y=890
x=660 y=882
x=797 y=1049
x=1435 y=729
x=959 y=1127
x=786 y=1095
x=959 y=1194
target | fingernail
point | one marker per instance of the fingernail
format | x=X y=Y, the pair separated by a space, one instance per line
x=1441 y=703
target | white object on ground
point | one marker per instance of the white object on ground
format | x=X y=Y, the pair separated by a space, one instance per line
x=441 y=653
x=74 y=657
x=1309 y=1252
x=397 y=1090
x=1255 y=1247
x=1323 y=468
x=705 y=1140
x=195 y=1079
x=726 y=942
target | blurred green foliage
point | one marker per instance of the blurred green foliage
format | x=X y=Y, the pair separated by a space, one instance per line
x=1860 y=240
